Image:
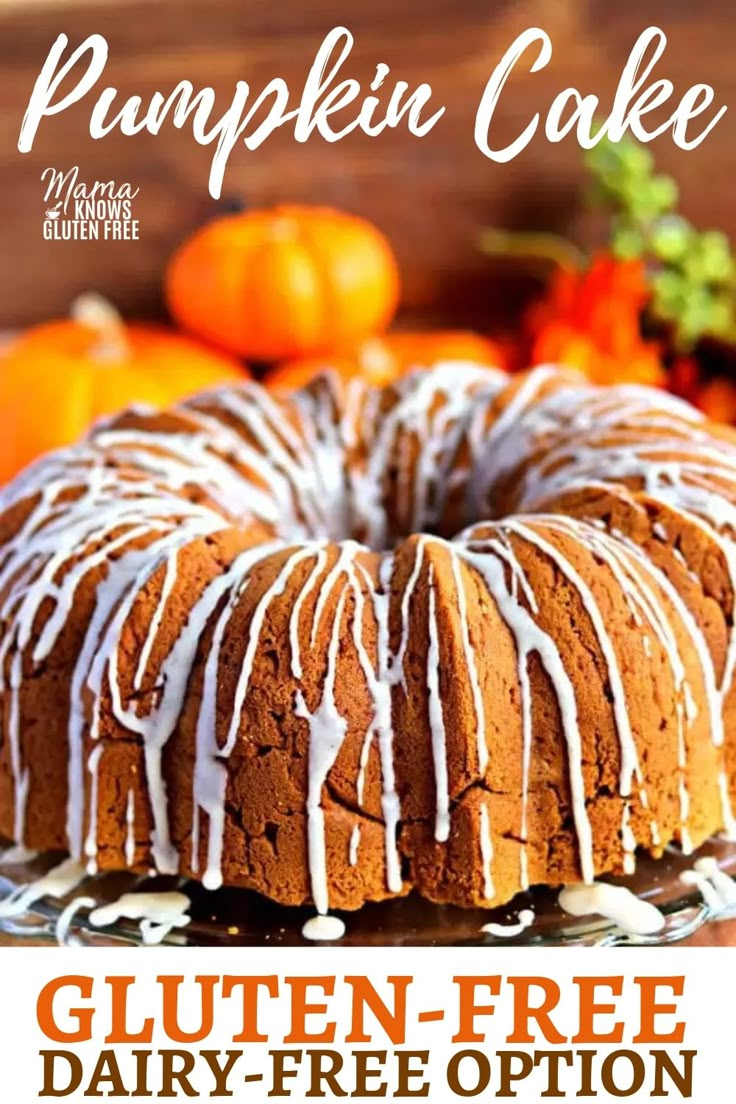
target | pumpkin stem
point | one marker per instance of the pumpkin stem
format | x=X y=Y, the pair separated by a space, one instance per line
x=93 y=310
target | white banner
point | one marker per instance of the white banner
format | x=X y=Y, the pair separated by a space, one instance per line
x=327 y=1023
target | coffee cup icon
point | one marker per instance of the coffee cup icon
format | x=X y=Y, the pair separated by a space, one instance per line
x=53 y=212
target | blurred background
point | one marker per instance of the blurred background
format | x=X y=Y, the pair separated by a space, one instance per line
x=431 y=196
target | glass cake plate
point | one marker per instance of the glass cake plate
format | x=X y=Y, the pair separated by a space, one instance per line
x=235 y=917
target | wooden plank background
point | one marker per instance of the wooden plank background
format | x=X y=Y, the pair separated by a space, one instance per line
x=431 y=195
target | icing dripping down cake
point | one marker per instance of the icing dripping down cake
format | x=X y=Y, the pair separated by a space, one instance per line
x=466 y=634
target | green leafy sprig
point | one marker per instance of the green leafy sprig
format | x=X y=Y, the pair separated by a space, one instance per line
x=692 y=272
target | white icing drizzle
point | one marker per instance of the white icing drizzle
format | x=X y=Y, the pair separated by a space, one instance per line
x=327 y=730
x=641 y=600
x=616 y=903
x=21 y=772
x=130 y=829
x=529 y=637
x=320 y=562
x=254 y=632
x=510 y=931
x=279 y=456
x=498 y=447
x=628 y=841
x=470 y=664
x=629 y=756
x=107 y=501
x=486 y=853
x=406 y=599
x=437 y=722
x=433 y=409
x=354 y=845
x=64 y=922
x=604 y=436
x=210 y=774
x=90 y=847
x=379 y=684
x=170 y=577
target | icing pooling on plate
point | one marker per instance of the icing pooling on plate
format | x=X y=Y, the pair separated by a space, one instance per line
x=510 y=931
x=57 y=882
x=158 y=913
x=616 y=903
x=715 y=886
x=17 y=856
x=323 y=929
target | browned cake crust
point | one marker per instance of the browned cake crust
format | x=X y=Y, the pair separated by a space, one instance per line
x=250 y=639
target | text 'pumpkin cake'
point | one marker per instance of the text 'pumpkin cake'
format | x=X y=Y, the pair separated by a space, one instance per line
x=243 y=641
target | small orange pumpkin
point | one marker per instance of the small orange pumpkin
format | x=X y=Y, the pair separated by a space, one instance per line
x=286 y=282
x=59 y=377
x=381 y=360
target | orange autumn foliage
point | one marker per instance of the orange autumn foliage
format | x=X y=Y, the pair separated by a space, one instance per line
x=684 y=378
x=592 y=321
x=288 y=282
x=59 y=377
x=717 y=399
x=381 y=360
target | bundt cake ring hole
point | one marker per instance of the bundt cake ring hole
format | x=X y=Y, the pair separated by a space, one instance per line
x=268 y=651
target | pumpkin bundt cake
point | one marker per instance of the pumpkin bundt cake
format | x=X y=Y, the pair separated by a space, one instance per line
x=243 y=640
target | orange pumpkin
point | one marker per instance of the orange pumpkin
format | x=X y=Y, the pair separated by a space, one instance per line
x=380 y=360
x=287 y=282
x=59 y=377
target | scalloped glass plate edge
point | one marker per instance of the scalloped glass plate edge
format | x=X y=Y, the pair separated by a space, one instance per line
x=232 y=917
